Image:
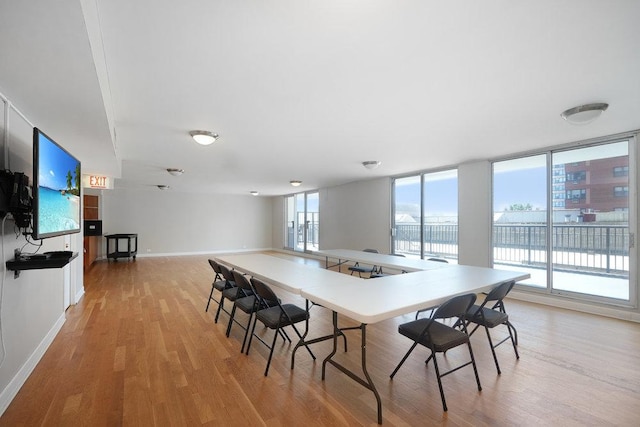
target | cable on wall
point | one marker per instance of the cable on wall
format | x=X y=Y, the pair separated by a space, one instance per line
x=2 y=282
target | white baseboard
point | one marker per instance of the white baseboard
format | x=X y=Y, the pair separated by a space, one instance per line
x=570 y=304
x=163 y=254
x=7 y=395
x=79 y=295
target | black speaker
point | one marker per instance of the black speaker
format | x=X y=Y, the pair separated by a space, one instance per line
x=92 y=227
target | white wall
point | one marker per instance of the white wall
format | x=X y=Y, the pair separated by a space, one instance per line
x=169 y=223
x=474 y=213
x=277 y=226
x=32 y=304
x=356 y=216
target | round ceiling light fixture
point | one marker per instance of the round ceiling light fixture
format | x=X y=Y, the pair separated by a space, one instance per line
x=254 y=193
x=175 y=171
x=295 y=183
x=371 y=164
x=584 y=114
x=204 y=137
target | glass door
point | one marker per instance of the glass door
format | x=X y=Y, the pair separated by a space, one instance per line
x=567 y=217
x=302 y=222
x=520 y=221
x=312 y=222
x=407 y=216
x=590 y=236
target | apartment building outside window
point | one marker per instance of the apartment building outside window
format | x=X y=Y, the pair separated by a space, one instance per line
x=573 y=237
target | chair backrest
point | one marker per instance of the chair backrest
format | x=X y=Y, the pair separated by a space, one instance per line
x=373 y=251
x=226 y=273
x=438 y=260
x=499 y=292
x=241 y=281
x=264 y=292
x=455 y=307
x=215 y=266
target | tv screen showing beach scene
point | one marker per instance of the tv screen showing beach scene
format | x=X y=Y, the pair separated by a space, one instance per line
x=57 y=180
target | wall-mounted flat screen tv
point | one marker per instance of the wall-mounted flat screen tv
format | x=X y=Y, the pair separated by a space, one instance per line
x=56 y=188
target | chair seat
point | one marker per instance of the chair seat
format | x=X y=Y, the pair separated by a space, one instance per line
x=489 y=318
x=377 y=275
x=360 y=269
x=246 y=304
x=220 y=285
x=272 y=317
x=232 y=293
x=444 y=337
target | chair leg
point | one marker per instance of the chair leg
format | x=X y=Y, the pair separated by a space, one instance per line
x=220 y=305
x=233 y=313
x=473 y=363
x=273 y=346
x=435 y=365
x=210 y=298
x=403 y=359
x=493 y=350
x=514 y=340
x=300 y=336
x=253 y=328
x=515 y=333
x=284 y=335
x=246 y=332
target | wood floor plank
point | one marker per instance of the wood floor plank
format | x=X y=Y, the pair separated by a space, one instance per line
x=139 y=349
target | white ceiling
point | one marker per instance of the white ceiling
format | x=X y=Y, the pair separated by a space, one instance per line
x=308 y=90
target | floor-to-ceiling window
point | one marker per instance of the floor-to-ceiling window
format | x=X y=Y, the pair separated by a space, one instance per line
x=425 y=220
x=520 y=216
x=590 y=239
x=302 y=220
x=573 y=204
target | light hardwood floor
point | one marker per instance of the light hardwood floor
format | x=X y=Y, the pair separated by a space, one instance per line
x=140 y=350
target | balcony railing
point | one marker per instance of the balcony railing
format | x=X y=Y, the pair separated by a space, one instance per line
x=599 y=249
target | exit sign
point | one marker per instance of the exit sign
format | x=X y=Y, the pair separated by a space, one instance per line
x=99 y=182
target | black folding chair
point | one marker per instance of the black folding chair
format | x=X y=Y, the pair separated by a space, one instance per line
x=430 y=309
x=229 y=292
x=219 y=283
x=439 y=337
x=246 y=301
x=357 y=268
x=276 y=317
x=482 y=315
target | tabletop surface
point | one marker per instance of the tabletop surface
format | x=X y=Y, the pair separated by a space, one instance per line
x=384 y=260
x=289 y=275
x=371 y=300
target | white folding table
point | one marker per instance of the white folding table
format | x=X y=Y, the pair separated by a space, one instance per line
x=403 y=264
x=368 y=301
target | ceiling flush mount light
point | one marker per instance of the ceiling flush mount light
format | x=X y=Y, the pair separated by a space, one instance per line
x=371 y=164
x=203 y=137
x=175 y=172
x=584 y=113
x=295 y=183
x=163 y=187
x=254 y=193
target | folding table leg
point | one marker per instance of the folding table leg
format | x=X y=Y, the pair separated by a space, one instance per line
x=368 y=384
x=303 y=342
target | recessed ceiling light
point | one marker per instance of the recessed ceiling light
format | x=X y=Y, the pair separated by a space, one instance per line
x=175 y=172
x=295 y=183
x=584 y=114
x=254 y=193
x=371 y=164
x=203 y=137
x=163 y=187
